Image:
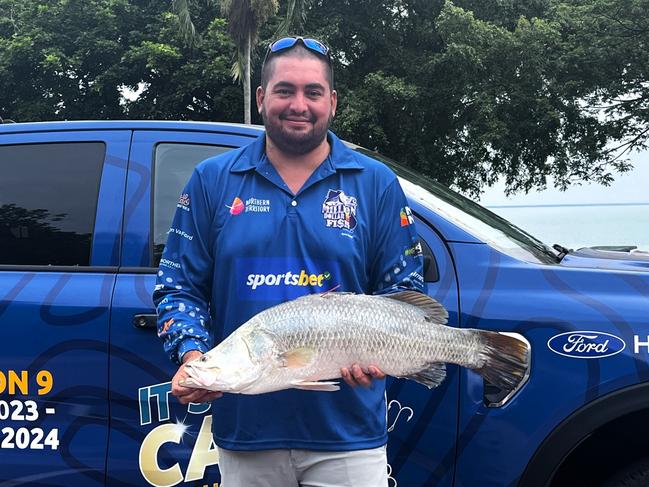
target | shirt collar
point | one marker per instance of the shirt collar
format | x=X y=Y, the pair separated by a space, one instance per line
x=340 y=156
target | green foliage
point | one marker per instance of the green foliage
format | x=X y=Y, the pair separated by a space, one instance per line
x=182 y=82
x=465 y=91
x=71 y=59
x=498 y=88
x=57 y=60
x=294 y=18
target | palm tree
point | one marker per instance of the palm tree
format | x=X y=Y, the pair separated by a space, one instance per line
x=295 y=17
x=245 y=17
x=187 y=29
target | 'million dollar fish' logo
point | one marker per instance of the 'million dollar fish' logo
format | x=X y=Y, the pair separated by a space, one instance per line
x=339 y=210
x=237 y=206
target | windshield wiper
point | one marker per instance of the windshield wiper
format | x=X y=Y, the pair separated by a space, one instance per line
x=563 y=251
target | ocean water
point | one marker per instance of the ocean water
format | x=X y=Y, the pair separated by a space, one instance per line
x=576 y=226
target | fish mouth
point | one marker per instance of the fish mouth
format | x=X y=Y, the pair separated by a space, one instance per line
x=208 y=378
x=203 y=376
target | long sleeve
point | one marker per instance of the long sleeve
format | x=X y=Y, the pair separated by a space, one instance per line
x=397 y=263
x=184 y=280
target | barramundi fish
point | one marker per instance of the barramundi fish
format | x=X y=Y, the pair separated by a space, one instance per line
x=305 y=342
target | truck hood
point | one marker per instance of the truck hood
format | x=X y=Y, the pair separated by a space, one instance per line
x=608 y=259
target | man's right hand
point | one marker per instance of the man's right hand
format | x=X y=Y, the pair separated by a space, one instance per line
x=188 y=394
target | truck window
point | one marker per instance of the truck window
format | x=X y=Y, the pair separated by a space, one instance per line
x=173 y=165
x=48 y=201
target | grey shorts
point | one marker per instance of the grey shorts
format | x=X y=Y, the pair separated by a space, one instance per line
x=304 y=468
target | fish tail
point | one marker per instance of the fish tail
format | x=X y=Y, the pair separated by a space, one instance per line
x=431 y=375
x=505 y=360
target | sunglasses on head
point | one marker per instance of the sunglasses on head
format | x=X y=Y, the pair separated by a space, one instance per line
x=285 y=43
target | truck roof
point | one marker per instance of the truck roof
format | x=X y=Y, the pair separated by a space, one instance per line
x=12 y=128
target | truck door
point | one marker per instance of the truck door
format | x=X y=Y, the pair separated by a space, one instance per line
x=422 y=423
x=61 y=195
x=155 y=440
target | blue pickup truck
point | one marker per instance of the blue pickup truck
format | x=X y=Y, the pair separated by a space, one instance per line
x=85 y=208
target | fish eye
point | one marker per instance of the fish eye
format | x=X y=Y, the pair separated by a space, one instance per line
x=203 y=358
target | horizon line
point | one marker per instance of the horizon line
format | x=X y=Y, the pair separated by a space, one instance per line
x=545 y=205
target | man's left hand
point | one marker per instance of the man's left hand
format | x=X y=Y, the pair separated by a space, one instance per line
x=356 y=376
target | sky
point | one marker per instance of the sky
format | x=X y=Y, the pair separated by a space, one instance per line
x=630 y=187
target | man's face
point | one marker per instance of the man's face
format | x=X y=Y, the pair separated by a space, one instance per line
x=297 y=105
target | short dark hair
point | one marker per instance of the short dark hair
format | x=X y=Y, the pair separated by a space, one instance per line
x=299 y=51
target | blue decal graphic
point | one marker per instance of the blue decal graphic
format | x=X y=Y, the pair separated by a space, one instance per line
x=586 y=344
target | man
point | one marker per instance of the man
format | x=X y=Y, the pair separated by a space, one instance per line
x=293 y=213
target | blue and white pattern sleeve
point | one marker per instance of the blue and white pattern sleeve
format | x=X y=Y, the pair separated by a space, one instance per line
x=398 y=263
x=184 y=280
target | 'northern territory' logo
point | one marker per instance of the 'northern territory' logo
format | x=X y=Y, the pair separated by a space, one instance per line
x=586 y=344
x=253 y=205
x=339 y=210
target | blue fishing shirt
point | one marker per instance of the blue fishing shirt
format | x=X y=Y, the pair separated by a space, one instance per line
x=241 y=242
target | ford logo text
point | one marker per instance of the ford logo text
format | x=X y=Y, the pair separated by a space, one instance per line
x=586 y=344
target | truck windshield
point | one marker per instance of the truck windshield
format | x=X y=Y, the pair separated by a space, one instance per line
x=470 y=216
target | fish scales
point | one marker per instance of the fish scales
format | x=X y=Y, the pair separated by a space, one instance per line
x=346 y=329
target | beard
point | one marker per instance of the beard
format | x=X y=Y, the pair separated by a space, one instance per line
x=295 y=143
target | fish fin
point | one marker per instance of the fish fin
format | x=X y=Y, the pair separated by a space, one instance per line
x=330 y=290
x=433 y=310
x=332 y=293
x=296 y=358
x=505 y=360
x=315 y=386
x=431 y=375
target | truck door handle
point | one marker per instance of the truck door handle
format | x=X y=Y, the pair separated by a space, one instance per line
x=145 y=321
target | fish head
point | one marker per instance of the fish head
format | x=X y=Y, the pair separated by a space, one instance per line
x=238 y=362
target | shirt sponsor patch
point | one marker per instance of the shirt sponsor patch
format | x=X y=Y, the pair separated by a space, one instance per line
x=170 y=263
x=282 y=278
x=414 y=251
x=182 y=233
x=183 y=202
x=406 y=216
x=339 y=210
x=236 y=207
x=256 y=205
x=288 y=278
x=252 y=205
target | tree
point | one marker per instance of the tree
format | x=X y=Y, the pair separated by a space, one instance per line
x=470 y=97
x=605 y=64
x=183 y=82
x=522 y=109
x=465 y=91
x=245 y=17
x=72 y=59
x=60 y=59
x=294 y=18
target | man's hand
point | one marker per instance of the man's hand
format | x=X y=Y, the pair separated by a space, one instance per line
x=188 y=394
x=355 y=376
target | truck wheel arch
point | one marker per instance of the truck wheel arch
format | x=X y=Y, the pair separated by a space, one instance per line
x=580 y=438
